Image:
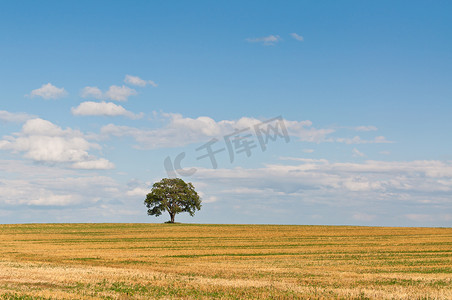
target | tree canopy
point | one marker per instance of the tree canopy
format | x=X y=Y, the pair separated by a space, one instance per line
x=174 y=196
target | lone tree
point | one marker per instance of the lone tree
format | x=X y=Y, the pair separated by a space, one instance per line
x=173 y=195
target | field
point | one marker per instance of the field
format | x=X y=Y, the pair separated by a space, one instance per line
x=146 y=261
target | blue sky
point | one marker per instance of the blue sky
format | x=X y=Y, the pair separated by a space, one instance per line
x=96 y=95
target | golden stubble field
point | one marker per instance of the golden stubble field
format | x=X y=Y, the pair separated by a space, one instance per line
x=147 y=261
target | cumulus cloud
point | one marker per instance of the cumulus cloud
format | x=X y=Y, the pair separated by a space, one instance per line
x=43 y=141
x=181 y=131
x=48 y=91
x=297 y=37
x=91 y=92
x=115 y=92
x=266 y=40
x=135 y=80
x=7 y=117
x=119 y=93
x=89 y=108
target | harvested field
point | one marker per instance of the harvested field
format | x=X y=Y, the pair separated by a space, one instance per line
x=143 y=261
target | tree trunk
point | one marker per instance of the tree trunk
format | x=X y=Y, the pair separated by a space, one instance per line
x=172 y=217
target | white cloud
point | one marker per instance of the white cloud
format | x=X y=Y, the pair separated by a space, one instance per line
x=308 y=150
x=358 y=140
x=338 y=184
x=135 y=80
x=97 y=164
x=210 y=199
x=41 y=185
x=18 y=192
x=305 y=160
x=306 y=133
x=91 y=92
x=51 y=199
x=182 y=131
x=6 y=116
x=152 y=83
x=357 y=153
x=360 y=184
x=297 y=37
x=205 y=198
x=366 y=128
x=266 y=40
x=381 y=140
x=49 y=91
x=178 y=132
x=43 y=127
x=89 y=108
x=114 y=92
x=43 y=141
x=119 y=93
x=138 y=192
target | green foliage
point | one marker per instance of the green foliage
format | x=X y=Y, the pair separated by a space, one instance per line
x=174 y=196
